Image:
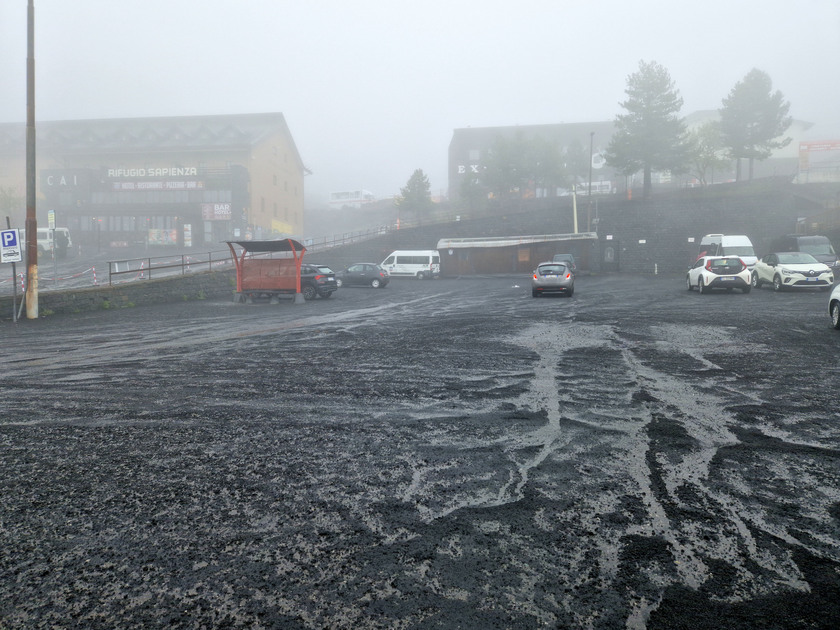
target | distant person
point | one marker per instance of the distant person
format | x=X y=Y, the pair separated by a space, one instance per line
x=61 y=245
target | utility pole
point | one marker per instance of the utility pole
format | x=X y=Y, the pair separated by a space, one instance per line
x=31 y=221
x=589 y=195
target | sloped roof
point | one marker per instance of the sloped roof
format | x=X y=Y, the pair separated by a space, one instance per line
x=277 y=245
x=561 y=133
x=146 y=135
x=508 y=241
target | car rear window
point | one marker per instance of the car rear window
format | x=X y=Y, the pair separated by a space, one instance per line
x=552 y=270
x=726 y=265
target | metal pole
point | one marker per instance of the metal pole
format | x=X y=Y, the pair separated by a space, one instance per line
x=31 y=221
x=14 y=278
x=589 y=196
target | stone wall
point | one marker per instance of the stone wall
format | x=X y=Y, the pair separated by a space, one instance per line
x=647 y=235
x=197 y=286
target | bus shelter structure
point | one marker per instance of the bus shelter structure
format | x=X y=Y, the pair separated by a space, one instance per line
x=267 y=269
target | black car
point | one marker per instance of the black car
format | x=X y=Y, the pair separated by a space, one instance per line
x=317 y=280
x=363 y=274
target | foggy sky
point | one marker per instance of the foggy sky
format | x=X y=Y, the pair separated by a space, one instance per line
x=372 y=89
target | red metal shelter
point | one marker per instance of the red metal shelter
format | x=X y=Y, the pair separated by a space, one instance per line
x=267 y=268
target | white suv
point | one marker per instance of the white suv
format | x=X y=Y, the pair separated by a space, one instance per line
x=834 y=307
x=786 y=270
x=718 y=272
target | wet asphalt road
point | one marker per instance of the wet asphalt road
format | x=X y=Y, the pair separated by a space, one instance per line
x=446 y=454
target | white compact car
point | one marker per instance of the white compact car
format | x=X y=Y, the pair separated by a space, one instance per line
x=786 y=270
x=834 y=307
x=718 y=272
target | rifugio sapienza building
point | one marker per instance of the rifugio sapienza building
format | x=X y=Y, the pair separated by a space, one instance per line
x=187 y=181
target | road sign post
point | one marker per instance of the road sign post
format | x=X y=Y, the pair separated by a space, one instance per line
x=10 y=252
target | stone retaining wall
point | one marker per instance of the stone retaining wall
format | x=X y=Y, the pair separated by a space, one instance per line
x=197 y=286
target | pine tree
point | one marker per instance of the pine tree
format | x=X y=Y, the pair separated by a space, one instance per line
x=651 y=135
x=753 y=119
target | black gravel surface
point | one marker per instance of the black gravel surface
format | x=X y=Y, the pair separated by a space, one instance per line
x=439 y=454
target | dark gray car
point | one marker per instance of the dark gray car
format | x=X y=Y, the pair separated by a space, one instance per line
x=363 y=274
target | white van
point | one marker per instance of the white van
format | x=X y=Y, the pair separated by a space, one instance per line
x=729 y=245
x=418 y=264
x=48 y=239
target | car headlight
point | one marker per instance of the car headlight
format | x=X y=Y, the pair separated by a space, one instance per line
x=789 y=272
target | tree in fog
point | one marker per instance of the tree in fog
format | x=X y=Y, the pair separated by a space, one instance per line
x=516 y=167
x=576 y=162
x=706 y=152
x=473 y=193
x=505 y=169
x=651 y=135
x=416 y=197
x=753 y=119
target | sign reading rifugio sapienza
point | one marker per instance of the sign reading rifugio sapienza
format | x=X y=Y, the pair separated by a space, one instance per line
x=216 y=211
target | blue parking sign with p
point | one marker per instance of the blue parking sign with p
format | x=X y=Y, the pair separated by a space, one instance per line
x=10 y=246
x=9 y=238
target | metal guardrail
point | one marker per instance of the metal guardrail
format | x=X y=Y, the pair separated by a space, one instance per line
x=148 y=267
x=162 y=266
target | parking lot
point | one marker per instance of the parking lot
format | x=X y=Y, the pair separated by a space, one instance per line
x=437 y=454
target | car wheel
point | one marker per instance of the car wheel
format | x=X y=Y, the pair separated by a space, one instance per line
x=700 y=286
x=421 y=275
x=535 y=293
x=571 y=292
x=309 y=292
x=338 y=282
x=754 y=281
x=835 y=315
x=375 y=283
x=688 y=283
x=326 y=294
x=777 y=283
x=746 y=289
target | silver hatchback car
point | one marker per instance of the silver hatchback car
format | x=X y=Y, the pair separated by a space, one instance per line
x=552 y=277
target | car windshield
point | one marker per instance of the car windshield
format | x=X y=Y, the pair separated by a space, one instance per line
x=797 y=258
x=745 y=250
x=818 y=249
x=552 y=270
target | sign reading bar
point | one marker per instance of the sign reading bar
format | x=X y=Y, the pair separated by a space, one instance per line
x=216 y=211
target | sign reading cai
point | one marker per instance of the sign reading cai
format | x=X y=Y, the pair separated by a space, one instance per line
x=168 y=171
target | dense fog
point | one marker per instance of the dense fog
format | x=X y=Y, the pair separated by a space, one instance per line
x=373 y=90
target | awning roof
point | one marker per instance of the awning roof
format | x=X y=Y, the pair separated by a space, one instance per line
x=510 y=241
x=282 y=245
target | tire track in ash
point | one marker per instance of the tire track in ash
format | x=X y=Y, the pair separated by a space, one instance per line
x=626 y=456
x=720 y=521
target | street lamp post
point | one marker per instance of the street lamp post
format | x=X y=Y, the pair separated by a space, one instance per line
x=31 y=221
x=589 y=195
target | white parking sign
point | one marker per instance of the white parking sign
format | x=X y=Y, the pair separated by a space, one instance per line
x=10 y=246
